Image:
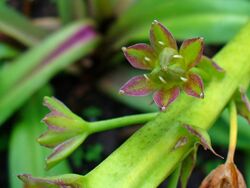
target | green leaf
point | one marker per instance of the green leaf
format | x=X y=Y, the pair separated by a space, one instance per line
x=220 y=132
x=71 y=10
x=7 y=52
x=174 y=178
x=21 y=78
x=17 y=26
x=25 y=154
x=187 y=167
x=188 y=19
x=247 y=167
x=102 y=9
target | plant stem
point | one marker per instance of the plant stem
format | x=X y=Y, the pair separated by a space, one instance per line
x=233 y=132
x=120 y=122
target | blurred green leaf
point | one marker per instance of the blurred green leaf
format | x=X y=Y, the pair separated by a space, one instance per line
x=216 y=21
x=92 y=112
x=187 y=167
x=220 y=132
x=102 y=9
x=71 y=10
x=21 y=78
x=93 y=153
x=17 y=26
x=25 y=154
x=208 y=166
x=247 y=168
x=7 y=51
x=174 y=178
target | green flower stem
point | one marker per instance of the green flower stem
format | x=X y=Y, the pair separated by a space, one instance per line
x=233 y=132
x=148 y=156
x=109 y=124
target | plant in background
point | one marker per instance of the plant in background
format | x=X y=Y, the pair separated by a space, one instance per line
x=93 y=32
x=171 y=70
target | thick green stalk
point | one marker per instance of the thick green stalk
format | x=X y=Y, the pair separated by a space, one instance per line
x=149 y=156
x=120 y=122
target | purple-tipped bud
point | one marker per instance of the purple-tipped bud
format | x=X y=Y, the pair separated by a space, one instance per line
x=66 y=131
x=141 y=56
x=63 y=181
x=161 y=38
x=192 y=50
x=194 y=86
x=163 y=98
x=137 y=86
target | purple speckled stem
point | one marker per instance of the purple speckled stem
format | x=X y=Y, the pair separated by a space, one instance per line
x=83 y=34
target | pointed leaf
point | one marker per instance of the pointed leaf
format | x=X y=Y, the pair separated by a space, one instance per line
x=161 y=38
x=63 y=150
x=163 y=98
x=62 y=124
x=192 y=50
x=210 y=68
x=60 y=129
x=194 y=86
x=57 y=108
x=243 y=104
x=187 y=167
x=141 y=56
x=63 y=181
x=202 y=136
x=137 y=86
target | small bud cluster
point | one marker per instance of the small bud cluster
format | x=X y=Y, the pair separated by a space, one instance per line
x=171 y=69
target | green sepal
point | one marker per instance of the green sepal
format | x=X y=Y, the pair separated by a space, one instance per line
x=67 y=180
x=202 y=136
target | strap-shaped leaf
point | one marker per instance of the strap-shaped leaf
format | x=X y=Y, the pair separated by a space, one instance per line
x=140 y=56
x=37 y=66
x=192 y=50
x=161 y=38
x=19 y=27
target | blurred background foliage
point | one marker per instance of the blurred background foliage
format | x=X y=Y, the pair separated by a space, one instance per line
x=71 y=49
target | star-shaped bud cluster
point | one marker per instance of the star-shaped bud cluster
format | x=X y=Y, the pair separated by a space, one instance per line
x=171 y=69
